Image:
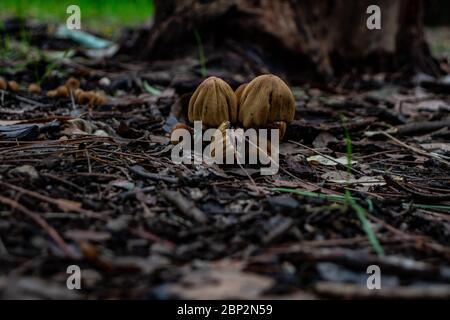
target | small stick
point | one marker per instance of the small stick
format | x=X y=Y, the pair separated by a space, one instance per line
x=147 y=235
x=63 y=204
x=140 y=171
x=416 y=150
x=417 y=194
x=42 y=223
x=353 y=291
x=423 y=126
x=184 y=205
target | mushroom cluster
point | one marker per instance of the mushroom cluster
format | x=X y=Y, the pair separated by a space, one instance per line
x=81 y=97
x=265 y=102
x=9 y=85
x=70 y=87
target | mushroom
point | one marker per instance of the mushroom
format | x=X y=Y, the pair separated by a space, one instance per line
x=266 y=102
x=34 y=88
x=13 y=86
x=213 y=103
x=3 y=84
x=72 y=83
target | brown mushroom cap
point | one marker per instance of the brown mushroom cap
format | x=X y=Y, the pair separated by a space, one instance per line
x=176 y=127
x=72 y=83
x=100 y=99
x=3 y=84
x=265 y=100
x=82 y=97
x=213 y=102
x=62 y=92
x=52 y=93
x=34 y=88
x=90 y=96
x=13 y=86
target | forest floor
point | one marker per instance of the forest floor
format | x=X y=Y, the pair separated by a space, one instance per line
x=95 y=187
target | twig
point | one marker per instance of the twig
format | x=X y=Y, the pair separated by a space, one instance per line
x=348 y=257
x=88 y=162
x=140 y=171
x=63 y=204
x=61 y=180
x=26 y=100
x=416 y=150
x=184 y=205
x=144 y=234
x=349 y=291
x=3 y=250
x=417 y=194
x=42 y=223
x=422 y=126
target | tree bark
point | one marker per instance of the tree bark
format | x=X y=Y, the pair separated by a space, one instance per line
x=331 y=36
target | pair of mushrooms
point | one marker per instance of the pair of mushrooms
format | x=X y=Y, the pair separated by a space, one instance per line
x=265 y=102
x=11 y=85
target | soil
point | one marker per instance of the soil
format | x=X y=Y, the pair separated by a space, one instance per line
x=95 y=187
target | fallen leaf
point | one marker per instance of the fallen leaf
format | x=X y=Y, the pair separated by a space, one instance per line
x=26 y=169
x=364 y=181
x=123 y=184
x=219 y=282
x=329 y=161
x=337 y=176
x=323 y=139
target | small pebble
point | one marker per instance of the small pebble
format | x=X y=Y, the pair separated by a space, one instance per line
x=104 y=82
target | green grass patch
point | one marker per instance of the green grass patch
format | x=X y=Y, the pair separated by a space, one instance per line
x=102 y=15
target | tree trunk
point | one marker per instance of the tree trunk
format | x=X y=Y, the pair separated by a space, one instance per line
x=331 y=36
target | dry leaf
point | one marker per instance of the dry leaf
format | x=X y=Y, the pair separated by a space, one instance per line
x=329 y=161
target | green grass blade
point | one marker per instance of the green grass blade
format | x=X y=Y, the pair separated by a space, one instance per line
x=427 y=206
x=360 y=211
x=150 y=89
x=305 y=193
x=201 y=54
